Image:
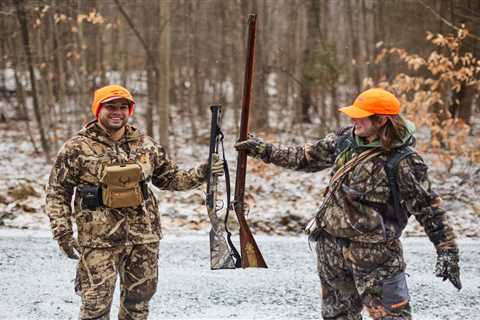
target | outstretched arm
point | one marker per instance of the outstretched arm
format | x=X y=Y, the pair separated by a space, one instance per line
x=309 y=157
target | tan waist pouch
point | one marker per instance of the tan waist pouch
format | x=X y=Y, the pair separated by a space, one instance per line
x=121 y=186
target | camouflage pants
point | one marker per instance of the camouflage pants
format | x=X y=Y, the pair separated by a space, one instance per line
x=97 y=272
x=354 y=275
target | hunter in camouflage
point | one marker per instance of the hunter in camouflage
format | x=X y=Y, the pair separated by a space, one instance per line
x=113 y=241
x=360 y=258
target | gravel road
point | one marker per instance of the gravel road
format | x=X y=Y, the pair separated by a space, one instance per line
x=36 y=281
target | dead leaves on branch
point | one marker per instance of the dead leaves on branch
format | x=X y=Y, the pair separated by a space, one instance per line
x=430 y=87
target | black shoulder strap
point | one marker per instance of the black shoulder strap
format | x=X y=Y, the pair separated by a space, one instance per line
x=391 y=171
x=234 y=252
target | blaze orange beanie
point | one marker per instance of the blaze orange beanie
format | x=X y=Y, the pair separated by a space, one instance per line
x=109 y=93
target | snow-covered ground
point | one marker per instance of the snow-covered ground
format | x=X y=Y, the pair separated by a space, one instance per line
x=37 y=281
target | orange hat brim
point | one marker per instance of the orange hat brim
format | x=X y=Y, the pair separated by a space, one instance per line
x=355 y=112
x=107 y=99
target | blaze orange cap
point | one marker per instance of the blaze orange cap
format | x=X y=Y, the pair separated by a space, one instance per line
x=373 y=101
x=109 y=93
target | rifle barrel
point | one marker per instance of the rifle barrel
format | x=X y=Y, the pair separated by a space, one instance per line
x=216 y=110
x=251 y=255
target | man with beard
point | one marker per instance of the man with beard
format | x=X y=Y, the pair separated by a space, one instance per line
x=378 y=181
x=106 y=168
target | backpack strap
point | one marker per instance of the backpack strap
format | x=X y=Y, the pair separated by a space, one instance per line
x=345 y=140
x=391 y=167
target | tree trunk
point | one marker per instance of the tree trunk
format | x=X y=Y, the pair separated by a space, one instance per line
x=124 y=54
x=100 y=61
x=354 y=46
x=259 y=116
x=198 y=65
x=378 y=37
x=466 y=13
x=187 y=83
x=22 y=108
x=152 y=87
x=164 y=77
x=150 y=32
x=291 y=47
x=310 y=60
x=224 y=63
x=367 y=39
x=47 y=100
x=83 y=85
x=58 y=56
x=22 y=19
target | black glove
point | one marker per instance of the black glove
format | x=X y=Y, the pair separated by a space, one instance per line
x=254 y=146
x=447 y=266
x=69 y=246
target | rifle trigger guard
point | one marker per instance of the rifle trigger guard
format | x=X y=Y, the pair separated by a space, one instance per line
x=219 y=205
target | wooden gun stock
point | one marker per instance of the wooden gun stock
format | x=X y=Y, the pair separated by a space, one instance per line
x=251 y=255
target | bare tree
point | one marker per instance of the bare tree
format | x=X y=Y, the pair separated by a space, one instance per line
x=259 y=118
x=22 y=19
x=354 y=45
x=164 y=66
x=187 y=83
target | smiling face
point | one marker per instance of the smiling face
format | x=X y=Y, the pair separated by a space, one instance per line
x=113 y=115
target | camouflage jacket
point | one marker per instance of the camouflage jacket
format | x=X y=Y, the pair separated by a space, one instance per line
x=82 y=160
x=369 y=220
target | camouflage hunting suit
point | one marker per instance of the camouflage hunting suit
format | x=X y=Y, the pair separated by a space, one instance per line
x=113 y=241
x=360 y=259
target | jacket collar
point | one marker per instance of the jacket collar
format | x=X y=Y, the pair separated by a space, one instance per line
x=92 y=130
x=407 y=140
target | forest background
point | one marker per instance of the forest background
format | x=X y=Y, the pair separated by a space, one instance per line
x=180 y=56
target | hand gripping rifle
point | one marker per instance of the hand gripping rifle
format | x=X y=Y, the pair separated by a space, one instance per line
x=222 y=255
x=251 y=255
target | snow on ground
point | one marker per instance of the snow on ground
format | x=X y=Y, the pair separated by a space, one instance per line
x=37 y=281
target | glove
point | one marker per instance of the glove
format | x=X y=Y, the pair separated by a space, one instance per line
x=69 y=246
x=447 y=266
x=254 y=146
x=217 y=165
